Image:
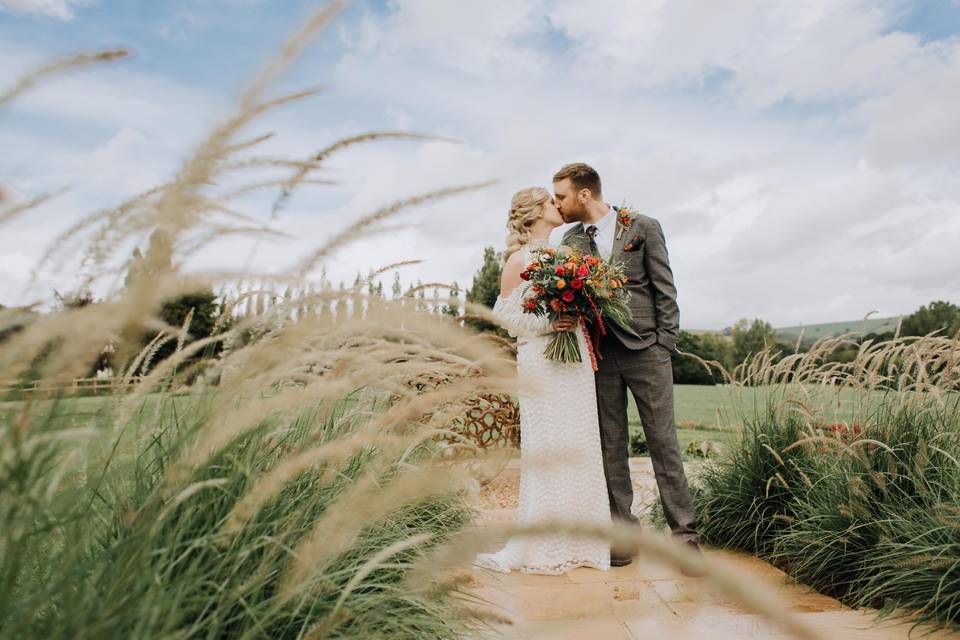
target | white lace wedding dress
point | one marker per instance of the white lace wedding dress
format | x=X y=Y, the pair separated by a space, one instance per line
x=561 y=476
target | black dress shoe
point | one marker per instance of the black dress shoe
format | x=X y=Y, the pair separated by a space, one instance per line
x=620 y=561
x=697 y=572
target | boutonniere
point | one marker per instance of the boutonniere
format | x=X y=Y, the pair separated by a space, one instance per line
x=625 y=218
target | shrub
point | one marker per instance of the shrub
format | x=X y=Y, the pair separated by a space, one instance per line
x=865 y=510
x=707 y=347
x=638 y=444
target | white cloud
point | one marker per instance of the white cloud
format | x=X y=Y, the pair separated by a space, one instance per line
x=799 y=214
x=103 y=134
x=62 y=9
x=801 y=156
x=495 y=39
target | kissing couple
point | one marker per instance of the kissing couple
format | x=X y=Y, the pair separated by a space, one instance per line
x=573 y=415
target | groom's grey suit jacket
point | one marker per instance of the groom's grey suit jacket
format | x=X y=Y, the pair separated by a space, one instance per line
x=653 y=297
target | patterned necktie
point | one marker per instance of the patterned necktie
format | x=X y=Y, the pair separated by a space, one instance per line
x=591 y=233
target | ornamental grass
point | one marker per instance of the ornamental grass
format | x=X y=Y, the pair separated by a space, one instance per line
x=848 y=475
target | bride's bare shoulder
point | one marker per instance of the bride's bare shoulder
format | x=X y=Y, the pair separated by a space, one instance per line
x=512 y=268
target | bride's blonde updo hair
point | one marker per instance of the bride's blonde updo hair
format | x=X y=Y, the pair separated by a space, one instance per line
x=525 y=209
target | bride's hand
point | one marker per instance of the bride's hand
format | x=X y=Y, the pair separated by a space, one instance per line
x=565 y=323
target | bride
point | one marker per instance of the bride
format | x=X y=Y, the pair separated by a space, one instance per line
x=561 y=475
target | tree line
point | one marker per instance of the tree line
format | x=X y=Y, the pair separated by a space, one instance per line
x=209 y=313
x=746 y=337
x=205 y=313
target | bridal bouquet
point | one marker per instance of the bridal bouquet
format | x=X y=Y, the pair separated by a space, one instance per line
x=566 y=282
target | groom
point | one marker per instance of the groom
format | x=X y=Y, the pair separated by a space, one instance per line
x=634 y=357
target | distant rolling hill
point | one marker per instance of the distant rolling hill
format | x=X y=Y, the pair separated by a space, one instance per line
x=812 y=332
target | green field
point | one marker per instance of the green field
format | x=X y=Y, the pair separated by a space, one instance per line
x=711 y=413
x=813 y=332
x=702 y=412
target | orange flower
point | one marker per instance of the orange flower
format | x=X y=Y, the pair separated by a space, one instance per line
x=561 y=283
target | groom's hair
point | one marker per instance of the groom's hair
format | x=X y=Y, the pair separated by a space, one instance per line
x=582 y=176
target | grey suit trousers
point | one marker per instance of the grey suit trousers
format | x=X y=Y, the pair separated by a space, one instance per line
x=648 y=374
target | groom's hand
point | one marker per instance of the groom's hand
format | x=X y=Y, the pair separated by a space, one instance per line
x=565 y=323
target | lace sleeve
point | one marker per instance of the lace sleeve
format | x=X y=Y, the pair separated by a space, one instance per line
x=518 y=323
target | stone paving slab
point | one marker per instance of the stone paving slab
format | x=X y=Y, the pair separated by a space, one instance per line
x=649 y=599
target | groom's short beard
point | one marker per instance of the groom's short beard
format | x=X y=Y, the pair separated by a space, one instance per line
x=577 y=212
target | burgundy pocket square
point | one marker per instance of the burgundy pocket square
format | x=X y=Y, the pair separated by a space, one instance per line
x=633 y=244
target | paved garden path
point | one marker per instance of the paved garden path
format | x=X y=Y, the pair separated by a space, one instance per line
x=650 y=600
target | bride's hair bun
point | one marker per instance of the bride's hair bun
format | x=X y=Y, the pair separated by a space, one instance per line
x=525 y=209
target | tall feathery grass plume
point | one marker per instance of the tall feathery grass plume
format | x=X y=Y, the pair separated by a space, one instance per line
x=30 y=80
x=844 y=473
x=133 y=505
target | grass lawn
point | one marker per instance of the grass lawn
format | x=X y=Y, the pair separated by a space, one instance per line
x=97 y=412
x=709 y=413
x=725 y=439
x=702 y=412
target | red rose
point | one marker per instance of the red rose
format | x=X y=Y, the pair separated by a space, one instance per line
x=568 y=295
x=559 y=270
x=576 y=283
x=594 y=261
x=525 y=275
x=583 y=271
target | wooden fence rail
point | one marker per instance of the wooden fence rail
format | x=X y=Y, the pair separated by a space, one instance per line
x=78 y=386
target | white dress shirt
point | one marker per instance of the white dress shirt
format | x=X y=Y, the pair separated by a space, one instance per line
x=606 y=230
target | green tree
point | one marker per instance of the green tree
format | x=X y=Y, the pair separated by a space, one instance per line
x=486 y=286
x=710 y=347
x=203 y=303
x=396 y=289
x=452 y=308
x=421 y=300
x=752 y=337
x=937 y=316
x=206 y=309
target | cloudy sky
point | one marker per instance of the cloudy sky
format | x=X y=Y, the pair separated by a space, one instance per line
x=802 y=155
